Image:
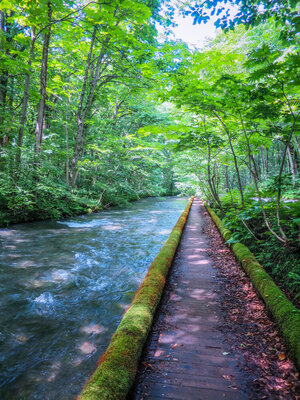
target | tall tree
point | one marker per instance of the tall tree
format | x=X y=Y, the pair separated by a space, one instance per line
x=43 y=85
x=114 y=50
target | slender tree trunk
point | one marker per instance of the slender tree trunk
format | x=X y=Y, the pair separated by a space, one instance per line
x=253 y=171
x=280 y=183
x=227 y=178
x=67 y=142
x=234 y=158
x=210 y=181
x=84 y=110
x=217 y=177
x=212 y=190
x=43 y=88
x=25 y=101
x=278 y=157
x=258 y=167
x=288 y=165
x=295 y=157
x=263 y=168
x=296 y=146
x=78 y=145
x=87 y=98
x=287 y=143
x=3 y=82
x=116 y=109
x=292 y=166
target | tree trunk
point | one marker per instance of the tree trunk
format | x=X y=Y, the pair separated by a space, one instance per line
x=227 y=178
x=3 y=81
x=253 y=171
x=116 y=109
x=84 y=110
x=286 y=146
x=43 y=88
x=67 y=142
x=234 y=158
x=210 y=181
x=263 y=167
x=25 y=101
x=292 y=166
x=78 y=145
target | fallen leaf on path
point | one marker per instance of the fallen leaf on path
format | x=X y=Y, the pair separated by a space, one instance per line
x=281 y=356
x=147 y=365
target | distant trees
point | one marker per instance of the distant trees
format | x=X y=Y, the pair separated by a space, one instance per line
x=74 y=84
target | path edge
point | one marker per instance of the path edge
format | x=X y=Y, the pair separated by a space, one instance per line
x=284 y=313
x=117 y=367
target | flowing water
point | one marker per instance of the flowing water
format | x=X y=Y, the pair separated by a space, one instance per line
x=64 y=286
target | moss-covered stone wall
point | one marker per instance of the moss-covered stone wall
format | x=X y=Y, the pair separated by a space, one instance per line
x=117 y=367
x=282 y=310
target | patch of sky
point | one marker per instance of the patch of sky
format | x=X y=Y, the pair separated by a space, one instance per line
x=195 y=36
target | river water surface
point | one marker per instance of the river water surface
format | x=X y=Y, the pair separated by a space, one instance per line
x=64 y=286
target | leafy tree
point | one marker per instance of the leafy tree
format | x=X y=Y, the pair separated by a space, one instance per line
x=249 y=13
x=94 y=111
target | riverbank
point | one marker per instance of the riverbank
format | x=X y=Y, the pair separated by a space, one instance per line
x=63 y=203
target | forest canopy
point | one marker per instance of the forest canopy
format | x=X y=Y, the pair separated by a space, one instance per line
x=97 y=110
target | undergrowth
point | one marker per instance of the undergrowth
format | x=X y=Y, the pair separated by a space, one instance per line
x=248 y=226
x=38 y=195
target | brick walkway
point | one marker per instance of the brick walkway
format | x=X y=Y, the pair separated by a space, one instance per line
x=186 y=357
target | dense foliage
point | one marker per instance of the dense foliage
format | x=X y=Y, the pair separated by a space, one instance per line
x=94 y=111
x=75 y=86
x=243 y=139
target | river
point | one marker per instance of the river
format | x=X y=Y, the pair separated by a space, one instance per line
x=64 y=286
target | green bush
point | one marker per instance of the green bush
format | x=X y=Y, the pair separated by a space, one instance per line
x=247 y=225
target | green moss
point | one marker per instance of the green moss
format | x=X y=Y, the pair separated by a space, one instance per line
x=284 y=313
x=117 y=367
